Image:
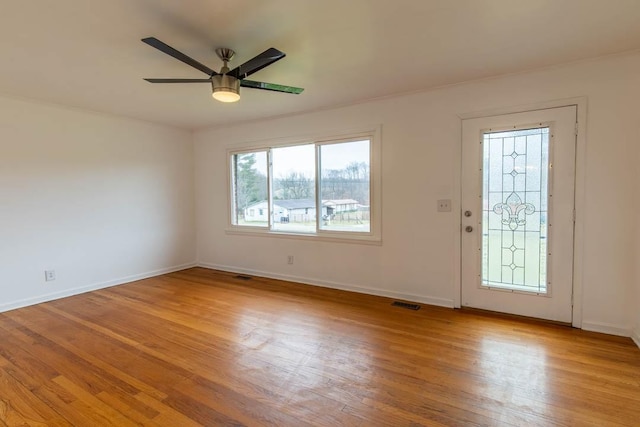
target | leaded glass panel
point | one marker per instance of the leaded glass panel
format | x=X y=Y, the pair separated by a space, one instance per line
x=514 y=209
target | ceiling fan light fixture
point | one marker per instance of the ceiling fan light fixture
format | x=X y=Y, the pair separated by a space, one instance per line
x=225 y=88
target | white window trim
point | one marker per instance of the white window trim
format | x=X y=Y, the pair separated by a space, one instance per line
x=373 y=237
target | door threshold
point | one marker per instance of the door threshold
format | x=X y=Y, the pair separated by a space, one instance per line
x=509 y=316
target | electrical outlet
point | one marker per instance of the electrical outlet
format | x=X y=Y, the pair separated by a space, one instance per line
x=49 y=275
x=444 y=205
x=289 y=259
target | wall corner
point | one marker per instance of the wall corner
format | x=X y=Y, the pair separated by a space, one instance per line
x=635 y=335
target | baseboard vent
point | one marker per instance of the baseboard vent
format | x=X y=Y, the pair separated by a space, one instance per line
x=242 y=277
x=406 y=305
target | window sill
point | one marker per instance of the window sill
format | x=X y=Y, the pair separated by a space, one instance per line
x=353 y=238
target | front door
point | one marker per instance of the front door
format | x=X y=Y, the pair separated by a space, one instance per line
x=518 y=179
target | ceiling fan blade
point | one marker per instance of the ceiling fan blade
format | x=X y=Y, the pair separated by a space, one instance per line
x=163 y=47
x=178 y=80
x=271 y=86
x=256 y=64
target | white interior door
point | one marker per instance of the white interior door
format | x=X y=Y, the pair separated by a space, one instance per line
x=518 y=180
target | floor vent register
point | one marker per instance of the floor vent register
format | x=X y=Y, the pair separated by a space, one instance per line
x=406 y=305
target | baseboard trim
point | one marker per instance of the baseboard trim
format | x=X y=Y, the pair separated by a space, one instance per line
x=635 y=336
x=606 y=328
x=93 y=287
x=441 y=302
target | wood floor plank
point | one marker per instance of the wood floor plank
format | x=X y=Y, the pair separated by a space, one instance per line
x=138 y=412
x=167 y=416
x=18 y=406
x=114 y=357
x=100 y=412
x=202 y=347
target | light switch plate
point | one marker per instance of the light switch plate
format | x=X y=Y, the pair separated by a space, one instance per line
x=444 y=205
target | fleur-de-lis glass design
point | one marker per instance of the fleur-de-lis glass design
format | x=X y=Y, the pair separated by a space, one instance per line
x=514 y=211
x=515 y=206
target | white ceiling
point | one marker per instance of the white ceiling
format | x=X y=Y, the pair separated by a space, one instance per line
x=88 y=53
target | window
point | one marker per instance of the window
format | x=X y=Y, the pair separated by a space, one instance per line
x=345 y=185
x=321 y=188
x=294 y=188
x=249 y=188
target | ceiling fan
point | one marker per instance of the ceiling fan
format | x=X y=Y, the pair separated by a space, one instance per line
x=226 y=84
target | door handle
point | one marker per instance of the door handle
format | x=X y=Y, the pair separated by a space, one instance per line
x=468 y=229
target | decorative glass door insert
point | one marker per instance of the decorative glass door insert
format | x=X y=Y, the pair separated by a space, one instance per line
x=515 y=208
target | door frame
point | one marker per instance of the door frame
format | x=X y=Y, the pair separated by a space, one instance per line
x=578 y=239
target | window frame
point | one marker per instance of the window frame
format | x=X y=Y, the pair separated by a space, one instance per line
x=373 y=236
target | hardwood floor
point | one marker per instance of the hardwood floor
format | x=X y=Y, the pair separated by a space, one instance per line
x=200 y=347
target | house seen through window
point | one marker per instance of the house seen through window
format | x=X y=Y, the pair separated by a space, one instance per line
x=306 y=188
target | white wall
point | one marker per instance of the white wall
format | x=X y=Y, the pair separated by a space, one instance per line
x=101 y=200
x=636 y=305
x=420 y=157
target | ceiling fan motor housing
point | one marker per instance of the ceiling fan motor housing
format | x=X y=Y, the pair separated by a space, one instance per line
x=225 y=88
